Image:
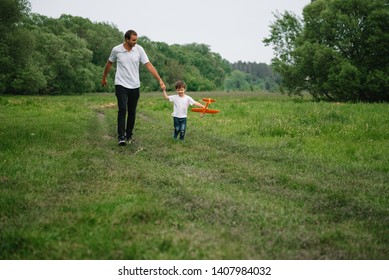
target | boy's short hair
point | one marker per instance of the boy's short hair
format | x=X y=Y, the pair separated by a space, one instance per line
x=180 y=84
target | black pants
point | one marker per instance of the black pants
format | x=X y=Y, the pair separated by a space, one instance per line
x=127 y=102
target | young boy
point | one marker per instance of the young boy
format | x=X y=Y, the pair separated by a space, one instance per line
x=181 y=103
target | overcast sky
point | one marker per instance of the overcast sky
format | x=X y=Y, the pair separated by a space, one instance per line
x=233 y=28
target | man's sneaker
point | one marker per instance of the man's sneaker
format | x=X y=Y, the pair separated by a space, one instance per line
x=122 y=141
x=130 y=141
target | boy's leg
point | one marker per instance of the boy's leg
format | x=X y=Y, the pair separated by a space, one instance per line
x=121 y=95
x=182 y=128
x=176 y=123
x=132 y=102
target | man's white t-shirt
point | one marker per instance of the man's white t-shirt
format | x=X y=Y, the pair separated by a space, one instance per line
x=181 y=105
x=127 y=65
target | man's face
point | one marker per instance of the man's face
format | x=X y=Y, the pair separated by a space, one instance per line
x=132 y=41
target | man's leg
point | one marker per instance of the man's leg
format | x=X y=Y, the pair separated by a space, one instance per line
x=121 y=95
x=133 y=97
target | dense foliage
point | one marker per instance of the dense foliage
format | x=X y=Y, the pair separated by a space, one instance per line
x=338 y=51
x=201 y=69
x=67 y=55
x=252 y=76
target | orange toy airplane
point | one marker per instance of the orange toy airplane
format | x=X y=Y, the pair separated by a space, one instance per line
x=205 y=110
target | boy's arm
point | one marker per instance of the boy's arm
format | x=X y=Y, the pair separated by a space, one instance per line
x=198 y=104
x=165 y=95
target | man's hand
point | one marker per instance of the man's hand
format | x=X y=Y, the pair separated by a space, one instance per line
x=108 y=66
x=162 y=85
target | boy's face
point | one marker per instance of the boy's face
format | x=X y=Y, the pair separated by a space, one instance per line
x=180 y=91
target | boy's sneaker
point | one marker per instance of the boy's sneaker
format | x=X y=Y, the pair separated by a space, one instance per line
x=122 y=141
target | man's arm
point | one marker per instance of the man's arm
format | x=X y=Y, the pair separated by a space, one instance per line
x=108 y=66
x=155 y=74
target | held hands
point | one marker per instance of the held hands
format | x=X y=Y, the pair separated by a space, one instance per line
x=162 y=85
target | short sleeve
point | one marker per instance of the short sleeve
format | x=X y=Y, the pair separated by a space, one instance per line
x=143 y=56
x=112 y=56
x=191 y=100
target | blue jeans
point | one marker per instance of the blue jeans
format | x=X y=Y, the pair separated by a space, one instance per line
x=179 y=127
x=127 y=103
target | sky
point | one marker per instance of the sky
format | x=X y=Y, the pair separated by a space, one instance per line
x=232 y=28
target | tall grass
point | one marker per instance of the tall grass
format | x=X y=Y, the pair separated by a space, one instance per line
x=269 y=177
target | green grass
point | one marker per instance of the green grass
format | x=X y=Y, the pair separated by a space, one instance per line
x=269 y=177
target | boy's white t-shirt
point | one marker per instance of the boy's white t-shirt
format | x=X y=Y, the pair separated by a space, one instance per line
x=127 y=66
x=181 y=105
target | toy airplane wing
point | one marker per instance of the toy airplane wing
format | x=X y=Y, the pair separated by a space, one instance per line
x=209 y=100
x=205 y=110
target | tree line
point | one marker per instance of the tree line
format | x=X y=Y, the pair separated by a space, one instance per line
x=252 y=76
x=337 y=51
x=67 y=55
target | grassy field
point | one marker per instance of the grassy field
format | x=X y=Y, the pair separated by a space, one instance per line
x=269 y=177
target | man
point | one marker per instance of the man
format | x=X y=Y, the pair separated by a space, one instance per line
x=128 y=56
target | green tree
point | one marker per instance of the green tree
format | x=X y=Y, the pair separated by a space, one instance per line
x=201 y=69
x=237 y=81
x=338 y=51
x=86 y=44
x=24 y=72
x=14 y=53
x=66 y=63
x=261 y=75
x=11 y=13
x=100 y=37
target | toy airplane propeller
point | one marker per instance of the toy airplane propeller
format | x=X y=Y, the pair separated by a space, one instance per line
x=205 y=110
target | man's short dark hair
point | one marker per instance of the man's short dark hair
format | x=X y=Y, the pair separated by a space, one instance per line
x=129 y=33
